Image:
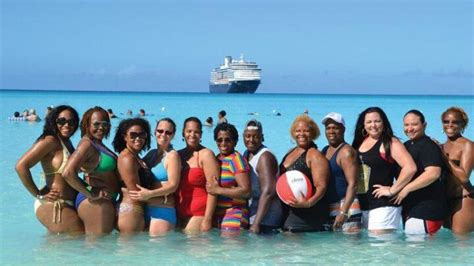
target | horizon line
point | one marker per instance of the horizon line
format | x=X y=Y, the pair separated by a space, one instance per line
x=199 y=92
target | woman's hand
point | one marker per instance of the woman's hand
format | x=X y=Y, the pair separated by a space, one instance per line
x=401 y=196
x=206 y=225
x=339 y=221
x=142 y=194
x=102 y=195
x=213 y=187
x=382 y=191
x=49 y=195
x=300 y=202
x=255 y=228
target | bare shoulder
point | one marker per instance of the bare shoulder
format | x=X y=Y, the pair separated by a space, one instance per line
x=467 y=146
x=206 y=153
x=84 y=143
x=267 y=156
x=315 y=153
x=173 y=155
x=396 y=141
x=347 y=151
x=126 y=158
x=48 y=142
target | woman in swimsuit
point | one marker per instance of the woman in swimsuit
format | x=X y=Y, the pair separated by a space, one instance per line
x=233 y=187
x=132 y=137
x=98 y=192
x=199 y=165
x=160 y=212
x=306 y=215
x=380 y=154
x=54 y=205
x=460 y=153
x=423 y=200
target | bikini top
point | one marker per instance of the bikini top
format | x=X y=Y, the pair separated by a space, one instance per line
x=66 y=155
x=159 y=170
x=107 y=159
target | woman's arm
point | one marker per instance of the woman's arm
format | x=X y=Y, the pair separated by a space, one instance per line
x=319 y=166
x=430 y=175
x=128 y=169
x=242 y=178
x=173 y=169
x=82 y=154
x=463 y=171
x=347 y=160
x=211 y=170
x=408 y=169
x=267 y=170
x=35 y=154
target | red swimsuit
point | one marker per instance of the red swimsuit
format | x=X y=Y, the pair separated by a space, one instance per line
x=192 y=194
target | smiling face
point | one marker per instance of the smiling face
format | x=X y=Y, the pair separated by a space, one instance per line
x=373 y=125
x=225 y=143
x=192 y=134
x=302 y=134
x=334 y=132
x=413 y=127
x=99 y=127
x=135 y=138
x=452 y=124
x=252 y=139
x=66 y=124
x=164 y=134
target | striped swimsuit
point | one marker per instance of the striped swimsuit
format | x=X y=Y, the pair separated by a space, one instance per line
x=231 y=213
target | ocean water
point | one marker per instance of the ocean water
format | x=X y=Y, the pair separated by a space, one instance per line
x=23 y=240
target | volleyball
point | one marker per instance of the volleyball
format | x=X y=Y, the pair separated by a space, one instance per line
x=292 y=184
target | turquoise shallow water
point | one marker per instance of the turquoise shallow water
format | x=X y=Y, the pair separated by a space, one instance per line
x=24 y=240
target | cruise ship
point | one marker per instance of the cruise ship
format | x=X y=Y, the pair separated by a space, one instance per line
x=235 y=76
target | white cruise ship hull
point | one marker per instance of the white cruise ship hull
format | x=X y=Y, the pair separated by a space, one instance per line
x=241 y=86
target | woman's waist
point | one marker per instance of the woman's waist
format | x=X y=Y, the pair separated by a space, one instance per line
x=162 y=201
x=64 y=190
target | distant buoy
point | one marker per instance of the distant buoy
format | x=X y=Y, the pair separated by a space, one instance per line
x=163 y=109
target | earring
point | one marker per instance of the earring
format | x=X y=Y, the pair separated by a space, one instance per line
x=182 y=139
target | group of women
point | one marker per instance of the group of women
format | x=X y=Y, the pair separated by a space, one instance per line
x=195 y=190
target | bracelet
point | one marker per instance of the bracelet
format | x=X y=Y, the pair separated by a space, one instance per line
x=40 y=197
x=390 y=192
x=346 y=214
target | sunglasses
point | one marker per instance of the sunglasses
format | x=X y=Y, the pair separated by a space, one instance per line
x=63 y=121
x=456 y=122
x=103 y=124
x=220 y=140
x=137 y=135
x=161 y=131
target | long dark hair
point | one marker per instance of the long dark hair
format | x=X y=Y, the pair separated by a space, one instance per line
x=50 y=127
x=119 y=143
x=387 y=133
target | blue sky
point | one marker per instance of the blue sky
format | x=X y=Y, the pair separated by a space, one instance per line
x=367 y=47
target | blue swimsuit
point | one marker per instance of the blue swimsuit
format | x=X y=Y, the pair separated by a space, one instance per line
x=153 y=212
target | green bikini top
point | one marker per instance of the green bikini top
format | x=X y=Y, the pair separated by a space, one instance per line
x=107 y=159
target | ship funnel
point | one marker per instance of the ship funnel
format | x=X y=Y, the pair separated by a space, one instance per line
x=227 y=60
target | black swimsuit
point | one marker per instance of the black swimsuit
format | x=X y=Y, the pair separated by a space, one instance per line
x=304 y=219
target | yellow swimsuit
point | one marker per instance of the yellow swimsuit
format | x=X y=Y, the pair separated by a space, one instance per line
x=59 y=203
